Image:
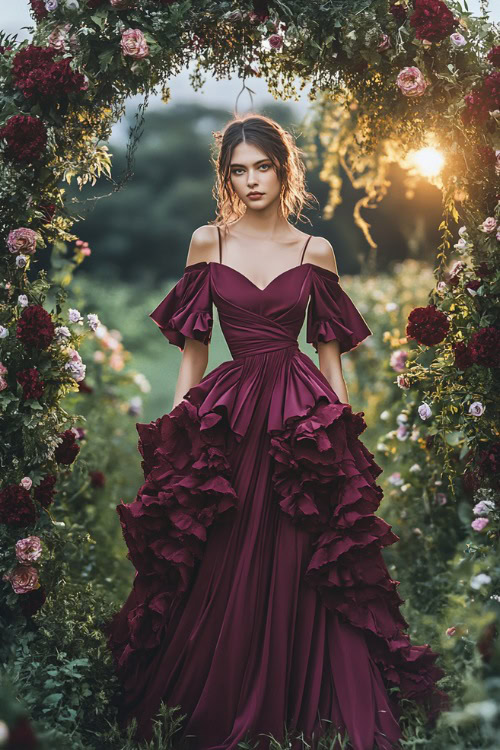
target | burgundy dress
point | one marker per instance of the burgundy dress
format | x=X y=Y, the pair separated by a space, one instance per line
x=261 y=598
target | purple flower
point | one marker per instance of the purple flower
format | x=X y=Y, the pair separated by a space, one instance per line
x=476 y=409
x=478 y=524
x=424 y=411
x=398 y=360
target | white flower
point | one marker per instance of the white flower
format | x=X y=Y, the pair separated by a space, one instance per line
x=21 y=260
x=74 y=316
x=462 y=231
x=62 y=332
x=477 y=581
x=476 y=409
x=402 y=418
x=396 y=479
x=142 y=381
x=135 y=405
x=26 y=482
x=72 y=4
x=441 y=287
x=403 y=382
x=457 y=39
x=402 y=433
x=414 y=434
x=51 y=4
x=75 y=366
x=415 y=467
x=424 y=411
x=483 y=507
x=4 y=332
x=93 y=321
x=391 y=306
x=381 y=447
x=405 y=487
x=384 y=416
x=460 y=244
x=22 y=300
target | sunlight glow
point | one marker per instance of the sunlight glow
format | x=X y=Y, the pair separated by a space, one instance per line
x=428 y=161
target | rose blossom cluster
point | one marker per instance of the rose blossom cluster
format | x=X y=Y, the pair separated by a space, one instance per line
x=26 y=139
x=40 y=77
x=483 y=349
x=427 y=325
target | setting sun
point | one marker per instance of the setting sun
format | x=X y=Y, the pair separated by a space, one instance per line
x=428 y=161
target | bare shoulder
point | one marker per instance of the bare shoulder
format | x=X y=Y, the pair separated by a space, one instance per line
x=320 y=252
x=204 y=245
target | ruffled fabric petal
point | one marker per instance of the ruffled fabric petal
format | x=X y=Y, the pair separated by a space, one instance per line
x=324 y=480
x=186 y=311
x=332 y=314
x=187 y=487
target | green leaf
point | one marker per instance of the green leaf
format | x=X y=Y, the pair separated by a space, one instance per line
x=454 y=438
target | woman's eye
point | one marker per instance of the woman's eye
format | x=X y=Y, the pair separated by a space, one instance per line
x=237 y=170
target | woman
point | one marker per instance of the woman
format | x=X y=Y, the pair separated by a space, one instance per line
x=262 y=603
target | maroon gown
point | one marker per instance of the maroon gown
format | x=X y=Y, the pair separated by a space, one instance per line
x=261 y=599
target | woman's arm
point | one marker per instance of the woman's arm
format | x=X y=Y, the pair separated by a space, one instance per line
x=195 y=353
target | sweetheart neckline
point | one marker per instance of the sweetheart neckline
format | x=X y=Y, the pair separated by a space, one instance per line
x=288 y=270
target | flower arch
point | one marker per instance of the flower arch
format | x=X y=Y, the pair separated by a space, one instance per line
x=383 y=77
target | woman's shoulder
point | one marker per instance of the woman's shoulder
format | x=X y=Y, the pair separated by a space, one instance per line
x=320 y=253
x=203 y=246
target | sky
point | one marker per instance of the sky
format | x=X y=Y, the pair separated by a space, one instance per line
x=14 y=15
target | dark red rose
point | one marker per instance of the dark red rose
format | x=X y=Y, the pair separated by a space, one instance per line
x=16 y=506
x=97 y=479
x=463 y=357
x=39 y=76
x=470 y=481
x=432 y=20
x=35 y=327
x=80 y=432
x=484 y=347
x=483 y=271
x=26 y=138
x=39 y=10
x=32 y=601
x=398 y=11
x=493 y=56
x=68 y=450
x=427 y=325
x=482 y=99
x=44 y=493
x=33 y=387
x=488 y=462
x=84 y=388
x=21 y=735
x=473 y=284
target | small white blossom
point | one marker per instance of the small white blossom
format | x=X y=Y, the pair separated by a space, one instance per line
x=461 y=244
x=396 y=479
x=405 y=487
x=462 y=231
x=402 y=418
x=414 y=434
x=381 y=447
x=26 y=482
x=483 y=507
x=391 y=306
x=457 y=39
x=75 y=366
x=62 y=332
x=476 y=409
x=74 y=316
x=441 y=287
x=4 y=332
x=488 y=225
x=51 y=5
x=142 y=381
x=72 y=4
x=414 y=468
x=22 y=300
x=479 y=580
x=21 y=260
x=424 y=411
x=402 y=433
x=384 y=416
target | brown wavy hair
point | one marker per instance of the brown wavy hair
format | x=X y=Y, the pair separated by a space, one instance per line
x=279 y=146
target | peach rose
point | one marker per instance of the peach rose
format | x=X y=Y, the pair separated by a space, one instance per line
x=22 y=240
x=411 y=82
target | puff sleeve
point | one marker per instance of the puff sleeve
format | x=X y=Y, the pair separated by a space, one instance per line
x=186 y=311
x=331 y=313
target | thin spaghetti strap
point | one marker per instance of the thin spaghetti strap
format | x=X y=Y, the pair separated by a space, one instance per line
x=304 y=250
x=220 y=244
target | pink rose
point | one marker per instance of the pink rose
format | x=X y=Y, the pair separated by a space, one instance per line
x=3 y=369
x=441 y=498
x=22 y=240
x=134 y=44
x=398 y=360
x=24 y=578
x=26 y=482
x=403 y=382
x=451 y=631
x=28 y=549
x=3 y=384
x=478 y=524
x=275 y=41
x=411 y=82
x=489 y=224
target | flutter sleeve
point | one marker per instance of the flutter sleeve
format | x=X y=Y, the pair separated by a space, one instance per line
x=186 y=311
x=331 y=313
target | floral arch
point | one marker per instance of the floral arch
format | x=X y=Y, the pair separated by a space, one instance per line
x=386 y=77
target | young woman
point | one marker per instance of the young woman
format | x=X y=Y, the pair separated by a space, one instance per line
x=261 y=602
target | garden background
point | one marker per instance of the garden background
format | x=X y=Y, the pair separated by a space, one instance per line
x=58 y=688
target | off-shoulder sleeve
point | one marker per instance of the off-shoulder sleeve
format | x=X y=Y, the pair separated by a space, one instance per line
x=331 y=313
x=186 y=311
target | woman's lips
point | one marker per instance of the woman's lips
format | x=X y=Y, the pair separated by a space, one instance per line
x=255 y=196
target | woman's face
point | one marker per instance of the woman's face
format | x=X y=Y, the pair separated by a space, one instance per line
x=252 y=171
